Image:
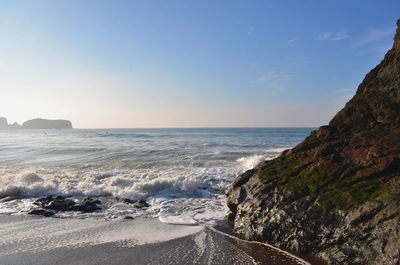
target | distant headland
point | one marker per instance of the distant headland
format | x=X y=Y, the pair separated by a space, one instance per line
x=36 y=124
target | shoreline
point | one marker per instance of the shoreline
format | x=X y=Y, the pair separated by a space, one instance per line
x=39 y=240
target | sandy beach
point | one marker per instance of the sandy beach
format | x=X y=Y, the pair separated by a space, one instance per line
x=37 y=240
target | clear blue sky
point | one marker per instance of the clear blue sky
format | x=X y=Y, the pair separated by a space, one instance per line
x=188 y=63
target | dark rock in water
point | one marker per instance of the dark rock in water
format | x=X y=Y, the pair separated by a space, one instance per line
x=88 y=205
x=47 y=124
x=42 y=212
x=128 y=217
x=90 y=200
x=42 y=202
x=337 y=194
x=141 y=204
x=129 y=201
x=60 y=203
x=137 y=204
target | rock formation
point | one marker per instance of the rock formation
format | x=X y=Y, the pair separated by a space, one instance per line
x=47 y=124
x=36 y=124
x=14 y=126
x=5 y=126
x=3 y=123
x=337 y=194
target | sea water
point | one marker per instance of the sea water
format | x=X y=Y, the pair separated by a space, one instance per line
x=182 y=173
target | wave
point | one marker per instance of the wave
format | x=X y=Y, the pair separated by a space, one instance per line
x=122 y=183
x=183 y=174
x=249 y=162
x=198 y=191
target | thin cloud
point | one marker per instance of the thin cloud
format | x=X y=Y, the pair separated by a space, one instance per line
x=334 y=36
x=291 y=41
x=374 y=35
x=250 y=30
x=275 y=81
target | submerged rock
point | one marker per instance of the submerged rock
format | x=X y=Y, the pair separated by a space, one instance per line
x=337 y=194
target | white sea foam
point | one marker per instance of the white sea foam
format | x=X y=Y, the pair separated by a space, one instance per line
x=250 y=162
x=182 y=174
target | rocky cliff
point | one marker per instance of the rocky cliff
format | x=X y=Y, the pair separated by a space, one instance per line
x=47 y=124
x=337 y=194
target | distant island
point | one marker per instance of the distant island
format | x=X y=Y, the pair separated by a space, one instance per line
x=36 y=124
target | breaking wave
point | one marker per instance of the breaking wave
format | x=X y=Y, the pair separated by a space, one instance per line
x=183 y=174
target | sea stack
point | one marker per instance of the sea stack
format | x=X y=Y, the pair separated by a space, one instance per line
x=3 y=123
x=337 y=194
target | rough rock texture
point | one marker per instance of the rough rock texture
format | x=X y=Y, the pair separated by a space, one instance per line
x=47 y=124
x=60 y=203
x=337 y=194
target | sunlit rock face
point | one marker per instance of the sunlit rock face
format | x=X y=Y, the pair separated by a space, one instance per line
x=337 y=194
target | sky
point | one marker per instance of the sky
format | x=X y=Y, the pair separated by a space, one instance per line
x=158 y=63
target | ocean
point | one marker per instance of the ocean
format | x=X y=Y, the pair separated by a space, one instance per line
x=182 y=173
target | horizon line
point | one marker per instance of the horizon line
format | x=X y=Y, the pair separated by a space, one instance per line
x=228 y=127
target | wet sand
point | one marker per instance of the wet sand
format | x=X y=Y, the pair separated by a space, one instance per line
x=36 y=240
